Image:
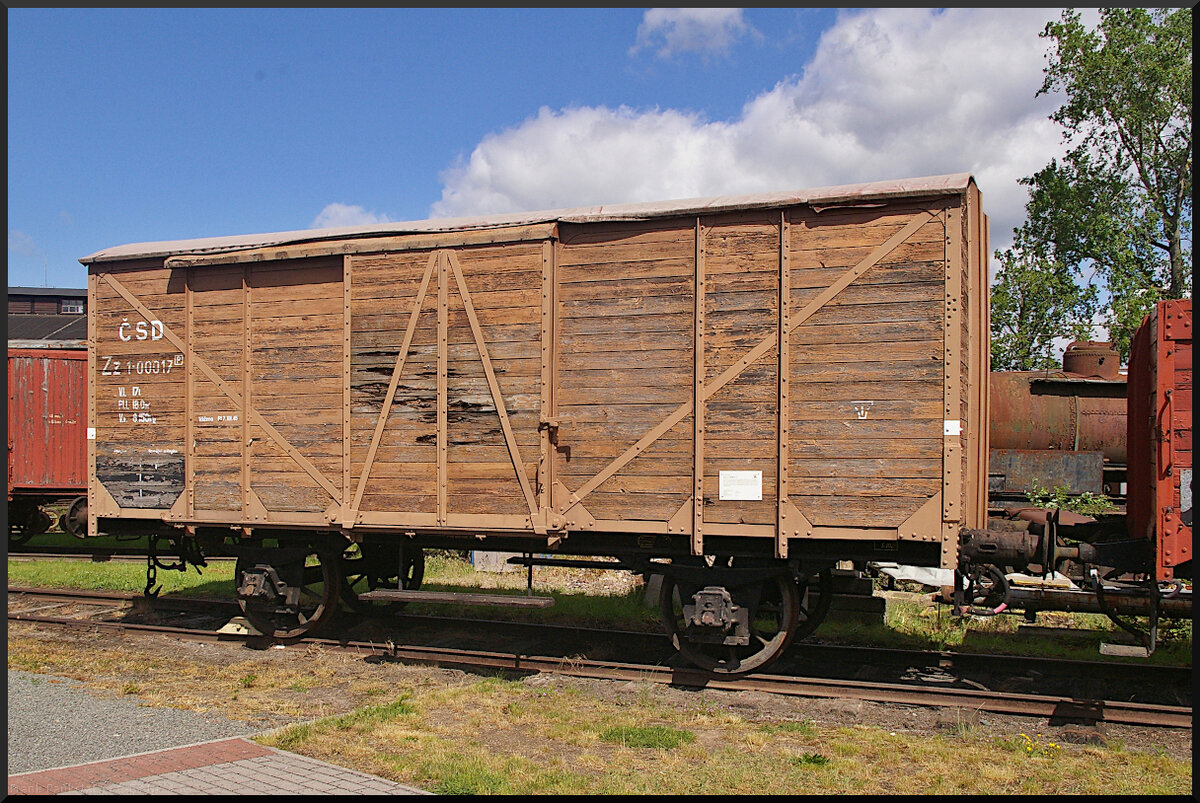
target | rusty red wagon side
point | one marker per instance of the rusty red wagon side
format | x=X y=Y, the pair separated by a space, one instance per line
x=1160 y=435
x=47 y=443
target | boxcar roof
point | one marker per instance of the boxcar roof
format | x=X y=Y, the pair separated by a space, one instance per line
x=950 y=184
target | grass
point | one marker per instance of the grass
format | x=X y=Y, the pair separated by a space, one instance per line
x=215 y=580
x=911 y=622
x=464 y=740
x=653 y=736
x=373 y=715
x=457 y=733
x=810 y=759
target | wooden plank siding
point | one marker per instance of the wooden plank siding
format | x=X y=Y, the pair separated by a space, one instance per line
x=599 y=375
x=866 y=369
x=618 y=333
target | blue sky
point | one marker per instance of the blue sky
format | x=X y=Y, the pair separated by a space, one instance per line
x=138 y=125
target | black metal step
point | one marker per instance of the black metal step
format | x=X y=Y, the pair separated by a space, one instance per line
x=401 y=595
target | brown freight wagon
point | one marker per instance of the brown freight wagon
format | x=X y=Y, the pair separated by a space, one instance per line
x=47 y=448
x=783 y=380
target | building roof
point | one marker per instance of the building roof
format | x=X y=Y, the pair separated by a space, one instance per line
x=47 y=327
x=65 y=292
x=951 y=184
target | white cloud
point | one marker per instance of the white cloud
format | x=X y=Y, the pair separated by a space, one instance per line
x=588 y=156
x=707 y=31
x=889 y=93
x=338 y=215
x=22 y=244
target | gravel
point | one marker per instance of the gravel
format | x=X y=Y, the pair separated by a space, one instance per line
x=58 y=722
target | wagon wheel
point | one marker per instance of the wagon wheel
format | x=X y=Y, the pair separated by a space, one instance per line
x=371 y=566
x=816 y=595
x=25 y=523
x=771 y=630
x=74 y=521
x=316 y=578
x=19 y=534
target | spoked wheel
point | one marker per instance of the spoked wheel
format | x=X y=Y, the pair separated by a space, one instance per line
x=371 y=566
x=816 y=595
x=774 y=603
x=74 y=521
x=987 y=587
x=289 y=599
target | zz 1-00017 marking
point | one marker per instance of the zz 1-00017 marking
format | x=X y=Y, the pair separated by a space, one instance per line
x=145 y=367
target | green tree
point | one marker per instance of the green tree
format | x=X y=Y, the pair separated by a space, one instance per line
x=1035 y=301
x=1114 y=216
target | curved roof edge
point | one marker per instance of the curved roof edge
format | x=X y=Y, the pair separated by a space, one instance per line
x=949 y=184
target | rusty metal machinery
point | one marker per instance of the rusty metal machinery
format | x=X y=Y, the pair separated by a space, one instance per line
x=1086 y=565
x=1059 y=427
x=1137 y=563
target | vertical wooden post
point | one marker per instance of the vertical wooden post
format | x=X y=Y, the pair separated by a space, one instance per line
x=952 y=495
x=976 y=475
x=985 y=376
x=246 y=401
x=546 y=458
x=92 y=526
x=980 y=355
x=347 y=499
x=189 y=405
x=785 y=328
x=442 y=384
x=697 y=545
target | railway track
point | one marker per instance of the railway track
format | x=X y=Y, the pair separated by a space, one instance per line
x=117 y=554
x=202 y=619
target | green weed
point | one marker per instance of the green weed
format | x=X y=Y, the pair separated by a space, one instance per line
x=469 y=778
x=655 y=736
x=373 y=714
x=1086 y=503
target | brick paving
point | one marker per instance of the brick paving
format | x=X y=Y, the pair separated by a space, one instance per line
x=225 y=766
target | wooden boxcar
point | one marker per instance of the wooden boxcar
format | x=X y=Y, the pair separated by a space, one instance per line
x=784 y=380
x=47 y=448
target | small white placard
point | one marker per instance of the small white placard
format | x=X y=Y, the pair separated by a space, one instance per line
x=91 y=433
x=1185 y=492
x=740 y=485
x=952 y=427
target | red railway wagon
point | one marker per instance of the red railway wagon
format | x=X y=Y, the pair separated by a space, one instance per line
x=1160 y=435
x=47 y=443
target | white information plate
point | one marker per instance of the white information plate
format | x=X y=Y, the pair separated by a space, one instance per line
x=740 y=485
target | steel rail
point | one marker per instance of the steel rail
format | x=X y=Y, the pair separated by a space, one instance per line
x=85 y=597
x=96 y=555
x=1076 y=709
x=805 y=652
